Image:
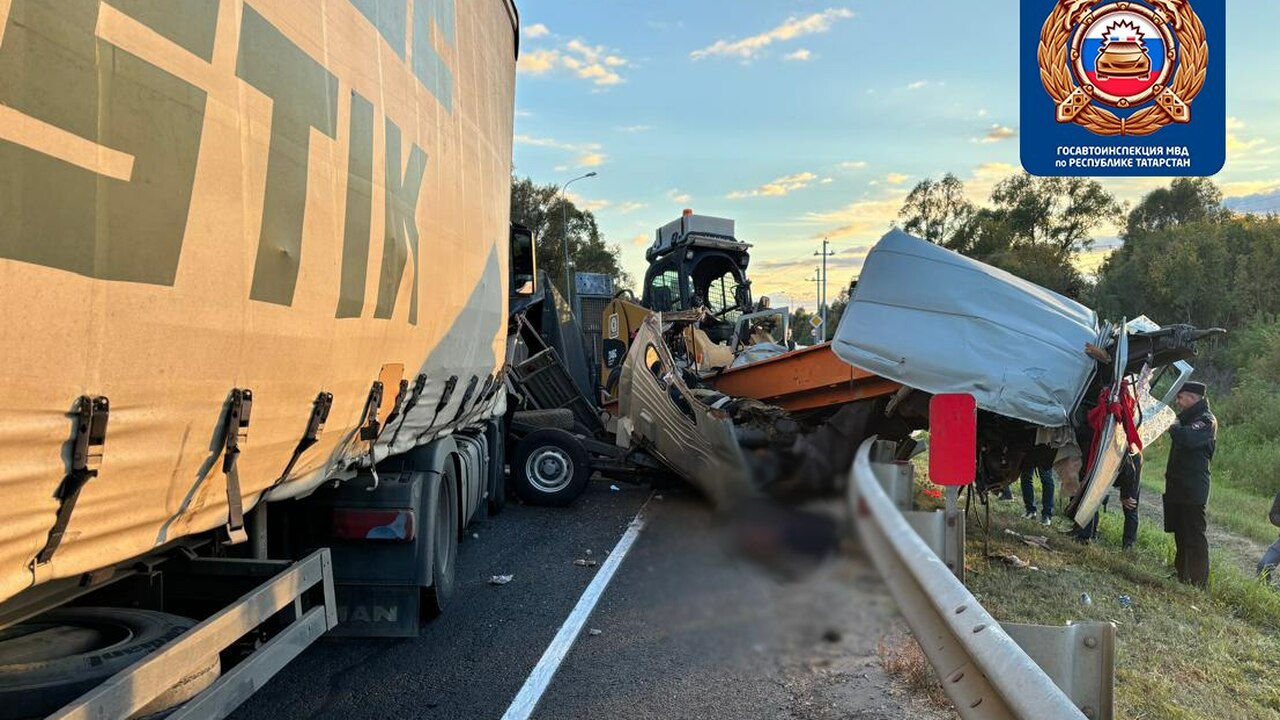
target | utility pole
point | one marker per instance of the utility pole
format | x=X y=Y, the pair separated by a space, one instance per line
x=823 y=301
x=817 y=289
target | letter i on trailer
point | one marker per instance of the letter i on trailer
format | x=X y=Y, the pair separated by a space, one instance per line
x=223 y=222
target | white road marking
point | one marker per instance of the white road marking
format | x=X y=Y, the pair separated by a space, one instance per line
x=540 y=679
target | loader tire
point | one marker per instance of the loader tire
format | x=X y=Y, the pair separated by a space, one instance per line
x=50 y=660
x=551 y=468
x=559 y=418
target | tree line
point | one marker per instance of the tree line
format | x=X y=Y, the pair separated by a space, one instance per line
x=1183 y=258
x=549 y=214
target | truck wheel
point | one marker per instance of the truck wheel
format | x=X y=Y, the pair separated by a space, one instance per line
x=551 y=468
x=444 y=546
x=497 y=436
x=56 y=657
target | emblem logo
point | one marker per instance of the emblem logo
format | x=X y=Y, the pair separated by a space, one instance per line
x=1123 y=55
x=1109 y=87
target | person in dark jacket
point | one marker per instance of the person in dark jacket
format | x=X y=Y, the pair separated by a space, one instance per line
x=1186 y=490
x=1271 y=558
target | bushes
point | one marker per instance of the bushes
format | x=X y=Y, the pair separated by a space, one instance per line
x=1218 y=272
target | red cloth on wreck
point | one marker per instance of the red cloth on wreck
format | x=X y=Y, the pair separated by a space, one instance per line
x=1124 y=410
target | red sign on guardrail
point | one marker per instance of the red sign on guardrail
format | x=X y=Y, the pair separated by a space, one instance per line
x=953 y=440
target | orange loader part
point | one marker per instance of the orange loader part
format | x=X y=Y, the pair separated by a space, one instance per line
x=807 y=379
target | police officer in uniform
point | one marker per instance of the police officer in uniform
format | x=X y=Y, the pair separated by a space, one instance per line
x=1186 y=490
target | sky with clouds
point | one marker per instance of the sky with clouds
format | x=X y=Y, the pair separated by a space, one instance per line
x=804 y=119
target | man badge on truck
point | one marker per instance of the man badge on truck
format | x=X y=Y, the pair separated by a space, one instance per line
x=1123 y=70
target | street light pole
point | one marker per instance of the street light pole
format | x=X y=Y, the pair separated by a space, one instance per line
x=564 y=235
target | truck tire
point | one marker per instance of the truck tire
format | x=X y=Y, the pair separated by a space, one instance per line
x=551 y=468
x=56 y=657
x=497 y=436
x=444 y=547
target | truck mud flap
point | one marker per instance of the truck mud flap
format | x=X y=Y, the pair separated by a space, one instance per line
x=299 y=594
x=378 y=611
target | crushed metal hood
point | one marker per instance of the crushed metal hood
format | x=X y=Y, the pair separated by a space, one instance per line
x=940 y=322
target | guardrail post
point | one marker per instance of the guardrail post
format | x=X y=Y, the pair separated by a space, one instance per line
x=942 y=531
x=898 y=481
x=1079 y=657
x=953 y=546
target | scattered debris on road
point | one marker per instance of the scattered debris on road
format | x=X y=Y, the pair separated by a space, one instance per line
x=1085 y=599
x=594 y=632
x=501 y=579
x=581 y=562
x=615 y=488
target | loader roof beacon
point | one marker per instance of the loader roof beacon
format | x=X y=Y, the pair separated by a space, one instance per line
x=206 y=198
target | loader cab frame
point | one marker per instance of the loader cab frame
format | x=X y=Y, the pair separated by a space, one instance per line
x=702 y=272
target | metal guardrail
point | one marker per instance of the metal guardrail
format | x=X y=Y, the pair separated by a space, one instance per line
x=985 y=672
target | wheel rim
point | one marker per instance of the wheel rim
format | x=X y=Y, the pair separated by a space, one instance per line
x=549 y=469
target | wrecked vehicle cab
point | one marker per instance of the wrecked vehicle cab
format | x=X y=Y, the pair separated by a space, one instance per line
x=727 y=341
x=734 y=448
x=1037 y=363
x=691 y=433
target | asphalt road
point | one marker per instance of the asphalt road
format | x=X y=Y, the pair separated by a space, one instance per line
x=686 y=630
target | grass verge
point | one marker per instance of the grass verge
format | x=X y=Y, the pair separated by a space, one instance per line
x=1182 y=653
x=902 y=658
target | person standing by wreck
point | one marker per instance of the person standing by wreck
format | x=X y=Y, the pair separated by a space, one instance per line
x=1045 y=470
x=1187 y=478
x=1271 y=558
x=1129 y=481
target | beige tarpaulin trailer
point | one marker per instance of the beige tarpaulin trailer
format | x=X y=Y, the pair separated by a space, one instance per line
x=198 y=196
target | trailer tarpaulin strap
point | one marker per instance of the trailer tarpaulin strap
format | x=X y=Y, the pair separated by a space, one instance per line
x=315 y=425
x=418 y=386
x=369 y=425
x=400 y=395
x=236 y=431
x=445 y=396
x=466 y=397
x=92 y=412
